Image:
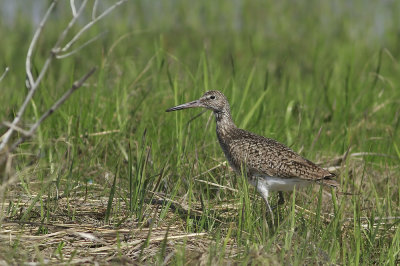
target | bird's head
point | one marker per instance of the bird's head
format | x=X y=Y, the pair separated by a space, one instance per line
x=213 y=100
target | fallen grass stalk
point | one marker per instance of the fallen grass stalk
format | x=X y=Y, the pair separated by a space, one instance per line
x=216 y=185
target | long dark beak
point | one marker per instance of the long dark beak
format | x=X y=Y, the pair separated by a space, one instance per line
x=185 y=106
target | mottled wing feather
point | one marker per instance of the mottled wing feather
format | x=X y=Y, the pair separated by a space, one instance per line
x=267 y=156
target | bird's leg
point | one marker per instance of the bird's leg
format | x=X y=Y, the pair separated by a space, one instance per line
x=263 y=190
x=269 y=208
x=281 y=200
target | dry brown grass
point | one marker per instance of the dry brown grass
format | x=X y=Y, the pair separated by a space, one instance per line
x=74 y=230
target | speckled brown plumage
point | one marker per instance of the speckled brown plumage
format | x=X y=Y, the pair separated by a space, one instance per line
x=262 y=155
x=269 y=165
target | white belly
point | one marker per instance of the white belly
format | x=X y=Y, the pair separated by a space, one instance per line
x=278 y=184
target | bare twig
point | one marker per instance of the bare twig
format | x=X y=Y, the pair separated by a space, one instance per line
x=94 y=10
x=4 y=74
x=56 y=48
x=61 y=56
x=90 y=24
x=54 y=51
x=73 y=8
x=33 y=43
x=56 y=105
x=16 y=128
x=34 y=84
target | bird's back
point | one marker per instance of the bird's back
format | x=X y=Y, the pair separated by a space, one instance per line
x=265 y=156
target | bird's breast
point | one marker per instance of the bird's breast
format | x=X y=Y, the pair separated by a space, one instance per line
x=224 y=142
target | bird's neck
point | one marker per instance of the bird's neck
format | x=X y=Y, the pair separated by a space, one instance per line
x=224 y=122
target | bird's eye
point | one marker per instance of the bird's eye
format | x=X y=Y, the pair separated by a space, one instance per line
x=212 y=97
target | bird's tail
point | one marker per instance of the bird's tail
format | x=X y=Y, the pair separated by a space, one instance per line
x=329 y=181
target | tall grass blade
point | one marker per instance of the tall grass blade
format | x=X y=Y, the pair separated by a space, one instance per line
x=253 y=109
x=112 y=193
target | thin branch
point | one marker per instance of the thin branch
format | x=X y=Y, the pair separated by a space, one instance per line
x=56 y=105
x=56 y=48
x=16 y=128
x=34 y=41
x=61 y=56
x=35 y=84
x=94 y=10
x=4 y=73
x=73 y=8
x=90 y=24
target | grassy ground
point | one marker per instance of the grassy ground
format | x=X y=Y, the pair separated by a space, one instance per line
x=111 y=177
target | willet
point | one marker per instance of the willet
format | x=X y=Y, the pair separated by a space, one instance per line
x=268 y=164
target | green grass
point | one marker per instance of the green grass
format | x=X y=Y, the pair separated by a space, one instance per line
x=289 y=70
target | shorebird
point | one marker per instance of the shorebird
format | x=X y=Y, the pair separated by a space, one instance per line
x=268 y=164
